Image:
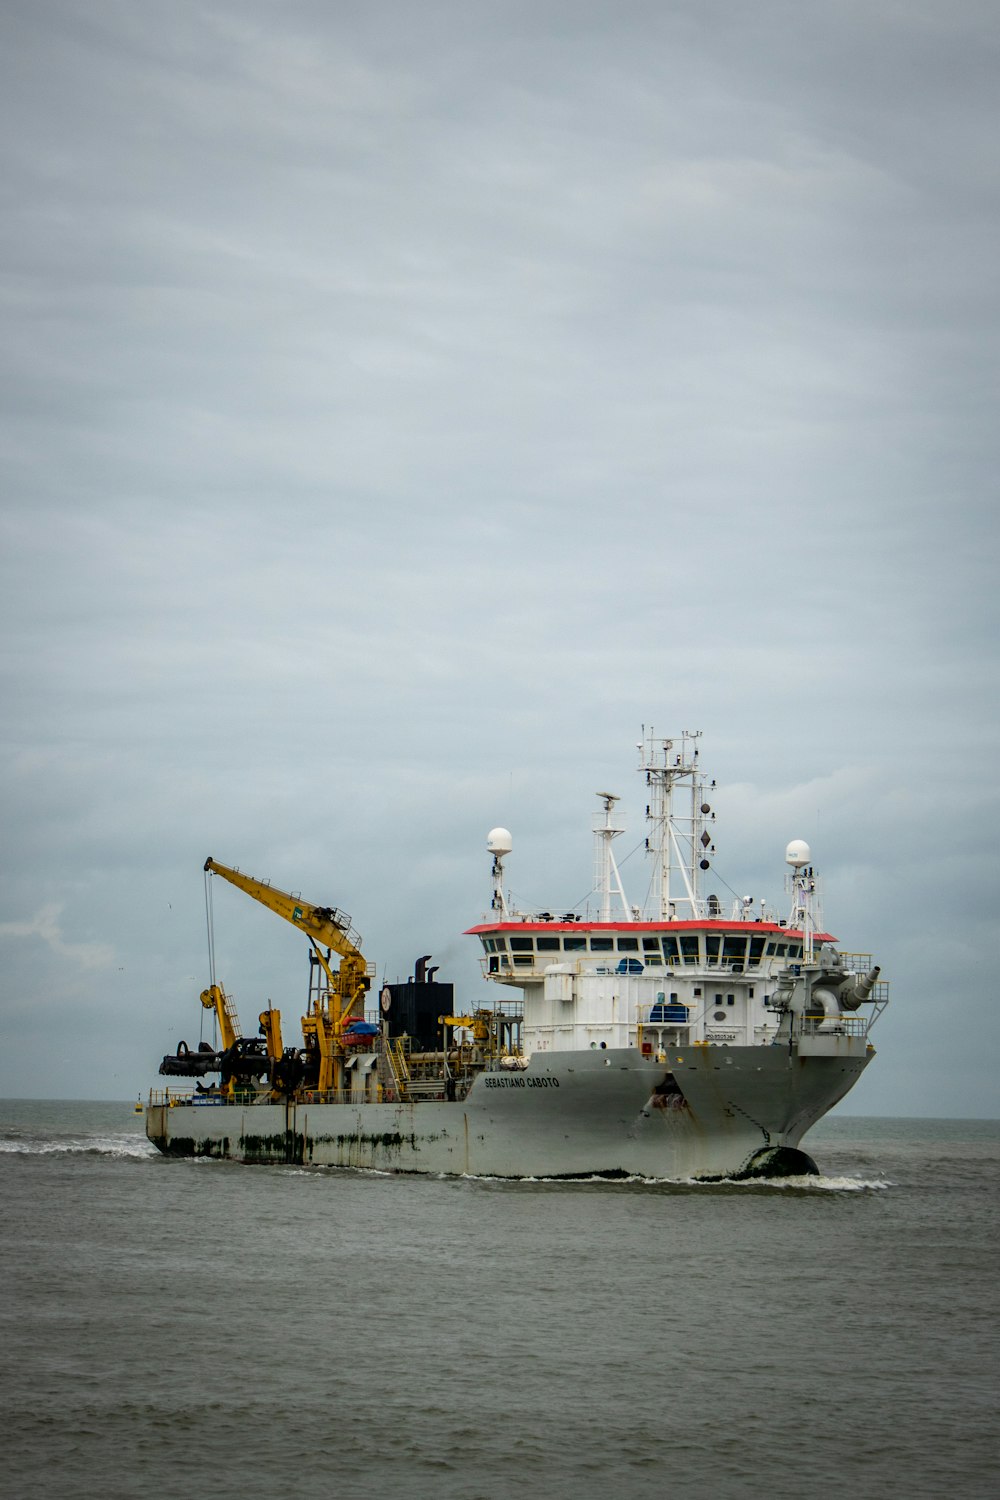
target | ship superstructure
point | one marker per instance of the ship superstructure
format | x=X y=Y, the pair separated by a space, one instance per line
x=684 y=1037
x=685 y=970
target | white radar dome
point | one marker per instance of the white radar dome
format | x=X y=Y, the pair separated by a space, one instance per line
x=498 y=841
x=797 y=853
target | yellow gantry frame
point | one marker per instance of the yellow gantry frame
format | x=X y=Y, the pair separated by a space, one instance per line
x=215 y=998
x=327 y=928
x=270 y=1030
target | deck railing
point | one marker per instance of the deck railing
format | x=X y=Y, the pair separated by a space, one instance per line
x=172 y=1098
x=820 y=1024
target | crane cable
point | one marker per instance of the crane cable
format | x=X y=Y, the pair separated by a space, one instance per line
x=210 y=931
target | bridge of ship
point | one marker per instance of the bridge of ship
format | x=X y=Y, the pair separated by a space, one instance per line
x=520 y=952
x=675 y=981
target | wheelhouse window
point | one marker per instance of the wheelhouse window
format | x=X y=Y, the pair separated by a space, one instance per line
x=628 y=945
x=689 y=947
x=574 y=944
x=522 y=945
x=734 y=949
x=670 y=949
x=547 y=944
x=602 y=945
x=712 y=941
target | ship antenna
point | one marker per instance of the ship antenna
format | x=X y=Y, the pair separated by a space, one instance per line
x=499 y=843
x=804 y=914
x=678 y=843
x=607 y=880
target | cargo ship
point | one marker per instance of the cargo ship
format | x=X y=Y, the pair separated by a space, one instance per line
x=692 y=1038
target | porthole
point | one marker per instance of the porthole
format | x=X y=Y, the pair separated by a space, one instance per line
x=719 y=1015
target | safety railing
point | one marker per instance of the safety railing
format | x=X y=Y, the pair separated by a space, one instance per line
x=820 y=1024
x=327 y=1096
x=665 y=1013
x=173 y=1098
x=245 y=1098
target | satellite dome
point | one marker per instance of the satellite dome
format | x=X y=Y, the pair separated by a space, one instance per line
x=498 y=841
x=797 y=853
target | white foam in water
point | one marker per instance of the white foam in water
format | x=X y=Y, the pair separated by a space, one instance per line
x=805 y=1183
x=808 y=1184
x=817 y=1184
x=95 y=1145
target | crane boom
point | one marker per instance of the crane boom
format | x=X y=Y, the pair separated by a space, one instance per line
x=328 y=928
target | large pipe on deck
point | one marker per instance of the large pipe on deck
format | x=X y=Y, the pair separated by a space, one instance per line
x=860 y=991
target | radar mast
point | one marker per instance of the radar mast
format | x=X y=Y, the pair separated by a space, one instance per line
x=499 y=843
x=678 y=843
x=607 y=881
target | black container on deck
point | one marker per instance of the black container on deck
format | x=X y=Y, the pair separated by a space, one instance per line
x=413 y=1008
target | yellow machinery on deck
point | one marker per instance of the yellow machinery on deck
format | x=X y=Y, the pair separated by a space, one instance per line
x=216 y=999
x=330 y=1008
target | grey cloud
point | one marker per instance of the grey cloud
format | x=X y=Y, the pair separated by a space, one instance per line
x=402 y=405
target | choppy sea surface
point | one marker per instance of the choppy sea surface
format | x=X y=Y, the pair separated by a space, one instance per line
x=202 y=1328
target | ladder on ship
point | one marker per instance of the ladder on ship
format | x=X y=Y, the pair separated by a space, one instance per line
x=393 y=1070
x=229 y=1005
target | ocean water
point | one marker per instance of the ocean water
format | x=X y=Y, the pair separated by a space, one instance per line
x=201 y=1328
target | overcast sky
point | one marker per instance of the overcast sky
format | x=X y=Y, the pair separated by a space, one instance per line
x=403 y=404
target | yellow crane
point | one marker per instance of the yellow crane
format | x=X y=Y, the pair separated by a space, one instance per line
x=215 y=998
x=326 y=928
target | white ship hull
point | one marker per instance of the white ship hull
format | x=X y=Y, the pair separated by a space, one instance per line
x=681 y=1043
x=569 y=1114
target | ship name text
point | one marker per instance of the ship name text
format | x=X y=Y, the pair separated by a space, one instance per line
x=518 y=1081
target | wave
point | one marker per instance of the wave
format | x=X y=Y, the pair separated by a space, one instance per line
x=120 y=1146
x=802 y=1184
